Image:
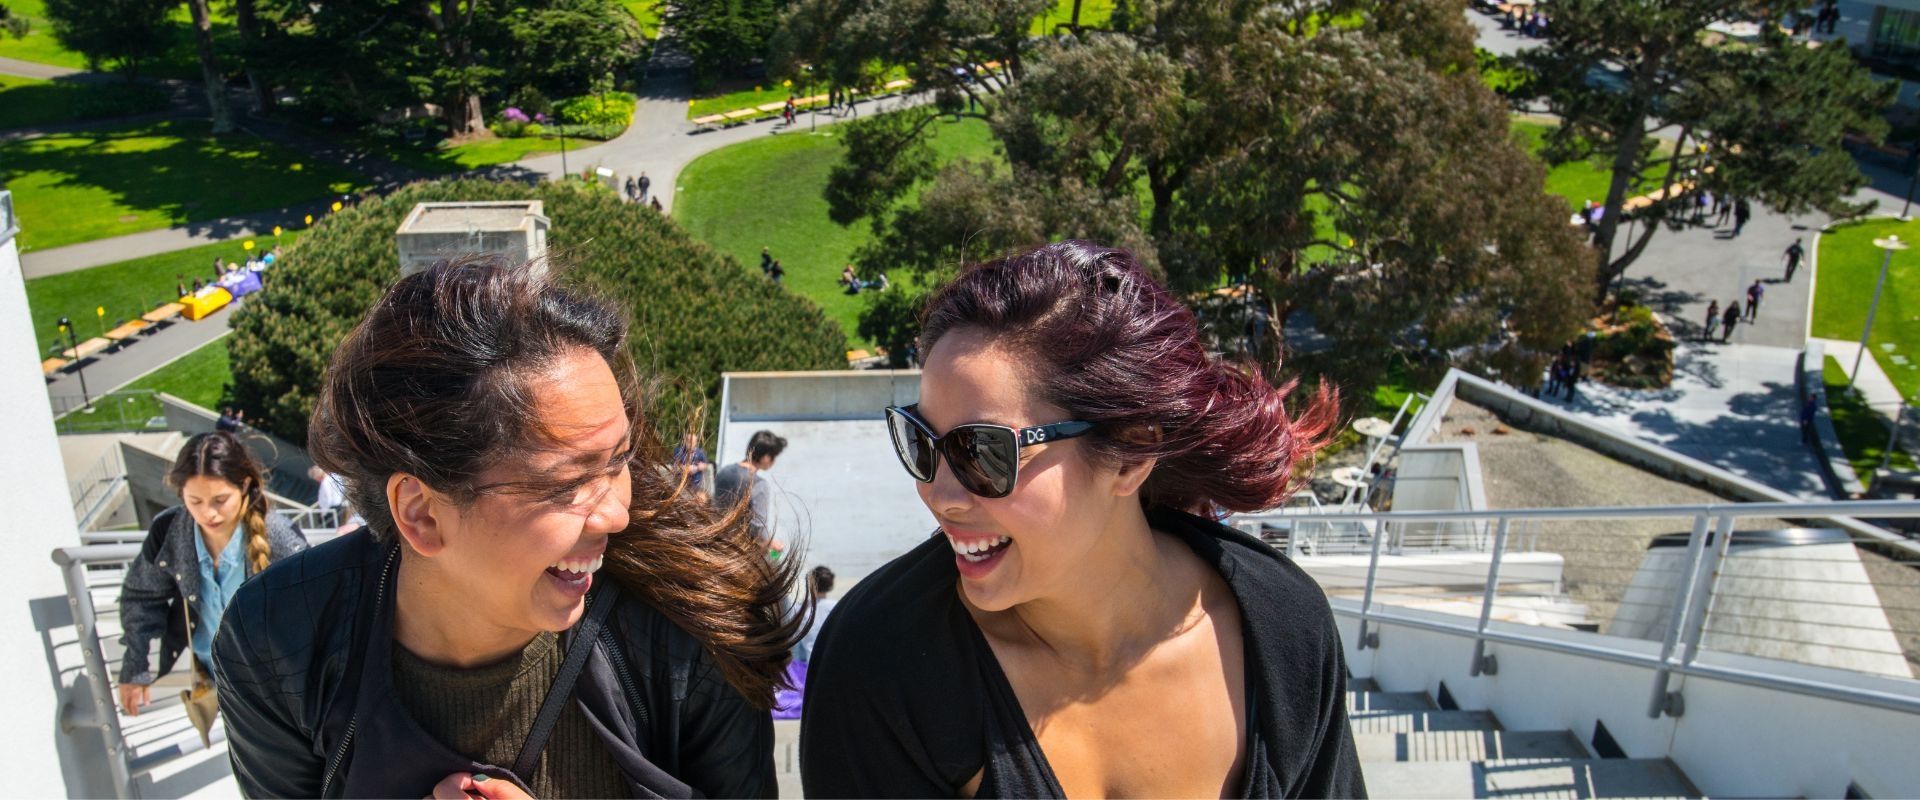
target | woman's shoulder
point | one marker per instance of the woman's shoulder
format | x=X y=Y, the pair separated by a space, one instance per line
x=283 y=538
x=1272 y=589
x=911 y=599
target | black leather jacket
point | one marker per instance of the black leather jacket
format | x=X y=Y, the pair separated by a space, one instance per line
x=311 y=713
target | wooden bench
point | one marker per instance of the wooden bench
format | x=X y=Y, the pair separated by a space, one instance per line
x=86 y=348
x=740 y=115
x=710 y=120
x=771 y=108
x=52 y=365
x=163 y=313
x=857 y=355
x=126 y=331
x=900 y=83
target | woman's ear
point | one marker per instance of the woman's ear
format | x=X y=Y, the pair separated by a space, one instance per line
x=416 y=514
x=1132 y=477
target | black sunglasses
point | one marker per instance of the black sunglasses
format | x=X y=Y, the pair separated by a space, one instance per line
x=985 y=458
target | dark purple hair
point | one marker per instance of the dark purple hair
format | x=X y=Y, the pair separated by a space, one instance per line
x=1105 y=342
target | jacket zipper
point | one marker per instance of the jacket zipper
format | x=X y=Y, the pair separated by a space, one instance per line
x=340 y=753
x=626 y=680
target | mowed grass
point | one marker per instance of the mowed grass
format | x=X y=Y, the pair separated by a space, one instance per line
x=647 y=12
x=179 y=61
x=440 y=160
x=1849 y=266
x=1579 y=181
x=25 y=102
x=1863 y=434
x=78 y=187
x=768 y=193
x=126 y=289
x=200 y=377
x=1093 y=14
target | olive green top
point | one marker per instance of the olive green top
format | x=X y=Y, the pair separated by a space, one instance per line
x=485 y=713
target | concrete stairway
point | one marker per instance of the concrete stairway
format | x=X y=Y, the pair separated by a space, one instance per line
x=1409 y=748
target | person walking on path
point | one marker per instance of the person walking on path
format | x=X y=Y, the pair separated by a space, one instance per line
x=776 y=272
x=1729 y=319
x=646 y=185
x=1713 y=320
x=1742 y=212
x=1793 y=255
x=766 y=260
x=1754 y=293
x=1722 y=210
x=633 y=190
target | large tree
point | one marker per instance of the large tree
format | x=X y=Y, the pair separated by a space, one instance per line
x=942 y=46
x=1342 y=159
x=1644 y=86
x=211 y=76
x=120 y=33
x=726 y=38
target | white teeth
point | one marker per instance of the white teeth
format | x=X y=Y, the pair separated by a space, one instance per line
x=582 y=565
x=978 y=547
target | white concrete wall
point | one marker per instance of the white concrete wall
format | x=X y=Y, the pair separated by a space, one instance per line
x=39 y=518
x=1733 y=739
x=1439 y=477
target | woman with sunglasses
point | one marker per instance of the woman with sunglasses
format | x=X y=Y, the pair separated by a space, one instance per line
x=1079 y=625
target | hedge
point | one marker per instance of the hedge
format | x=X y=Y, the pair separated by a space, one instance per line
x=695 y=312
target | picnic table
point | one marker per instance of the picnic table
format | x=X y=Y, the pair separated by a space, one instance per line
x=86 y=348
x=52 y=365
x=198 y=306
x=126 y=330
x=163 y=313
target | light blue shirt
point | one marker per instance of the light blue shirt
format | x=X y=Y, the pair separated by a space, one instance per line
x=218 y=583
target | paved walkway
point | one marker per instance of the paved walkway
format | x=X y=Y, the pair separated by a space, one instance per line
x=140 y=355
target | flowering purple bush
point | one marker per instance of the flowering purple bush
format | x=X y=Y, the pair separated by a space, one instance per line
x=514 y=115
x=540 y=118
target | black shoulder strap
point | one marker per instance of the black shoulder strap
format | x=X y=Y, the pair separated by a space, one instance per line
x=588 y=631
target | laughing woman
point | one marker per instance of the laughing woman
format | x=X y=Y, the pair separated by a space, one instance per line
x=1079 y=626
x=487 y=427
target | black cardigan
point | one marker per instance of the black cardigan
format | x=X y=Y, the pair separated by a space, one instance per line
x=896 y=708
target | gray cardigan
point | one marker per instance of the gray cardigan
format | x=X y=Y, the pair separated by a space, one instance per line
x=166 y=572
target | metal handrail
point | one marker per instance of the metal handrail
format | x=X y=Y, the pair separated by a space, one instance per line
x=75 y=565
x=1680 y=647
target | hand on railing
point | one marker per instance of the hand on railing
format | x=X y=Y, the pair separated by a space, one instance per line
x=133 y=697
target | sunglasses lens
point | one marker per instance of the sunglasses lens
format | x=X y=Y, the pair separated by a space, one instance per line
x=912 y=445
x=983 y=459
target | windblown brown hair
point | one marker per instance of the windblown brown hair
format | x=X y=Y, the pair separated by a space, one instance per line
x=437 y=382
x=219 y=454
x=1106 y=343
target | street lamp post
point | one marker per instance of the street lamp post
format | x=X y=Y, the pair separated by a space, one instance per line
x=1888 y=246
x=79 y=369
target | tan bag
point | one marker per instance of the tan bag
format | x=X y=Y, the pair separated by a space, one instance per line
x=203 y=704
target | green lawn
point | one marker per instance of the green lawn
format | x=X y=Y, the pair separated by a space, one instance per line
x=440 y=160
x=1579 y=181
x=84 y=186
x=27 y=102
x=1863 y=434
x=125 y=289
x=200 y=377
x=1093 y=14
x=648 y=13
x=179 y=61
x=1849 y=266
x=767 y=192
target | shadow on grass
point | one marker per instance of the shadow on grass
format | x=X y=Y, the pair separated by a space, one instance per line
x=158 y=175
x=75 y=99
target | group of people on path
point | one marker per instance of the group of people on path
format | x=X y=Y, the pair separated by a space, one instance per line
x=1724 y=320
x=770 y=266
x=640 y=190
x=539 y=606
x=1570 y=366
x=1722 y=207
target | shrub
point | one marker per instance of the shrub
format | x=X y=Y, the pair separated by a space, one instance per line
x=610 y=108
x=696 y=312
x=531 y=101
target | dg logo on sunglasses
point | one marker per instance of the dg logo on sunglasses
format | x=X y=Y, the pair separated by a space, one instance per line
x=1033 y=436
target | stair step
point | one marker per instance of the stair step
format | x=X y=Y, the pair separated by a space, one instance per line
x=1412 y=721
x=1362 y=685
x=1388 y=701
x=1559 y=777
x=1468 y=745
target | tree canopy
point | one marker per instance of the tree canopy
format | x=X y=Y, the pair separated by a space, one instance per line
x=1761 y=119
x=695 y=313
x=1343 y=159
x=117 y=33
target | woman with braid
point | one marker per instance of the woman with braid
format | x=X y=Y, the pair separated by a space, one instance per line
x=194 y=559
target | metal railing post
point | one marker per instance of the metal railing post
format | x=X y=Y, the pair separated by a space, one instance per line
x=1703 y=592
x=1682 y=600
x=86 y=623
x=1482 y=661
x=1369 y=639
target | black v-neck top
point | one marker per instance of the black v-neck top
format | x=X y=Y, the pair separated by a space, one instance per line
x=906 y=699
